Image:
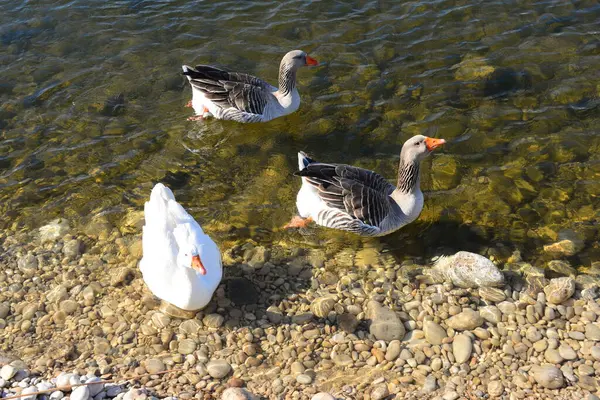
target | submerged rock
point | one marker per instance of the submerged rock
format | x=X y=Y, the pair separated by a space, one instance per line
x=467 y=270
x=569 y=244
x=562 y=267
x=560 y=290
x=114 y=105
x=54 y=230
x=385 y=324
x=472 y=68
x=236 y=393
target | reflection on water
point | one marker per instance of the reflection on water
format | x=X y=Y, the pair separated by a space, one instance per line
x=92 y=114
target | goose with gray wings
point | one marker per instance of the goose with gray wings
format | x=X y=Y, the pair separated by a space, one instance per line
x=361 y=201
x=245 y=98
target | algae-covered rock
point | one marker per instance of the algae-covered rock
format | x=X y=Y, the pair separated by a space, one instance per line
x=472 y=68
x=445 y=172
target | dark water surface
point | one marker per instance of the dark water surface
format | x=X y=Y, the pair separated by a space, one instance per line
x=514 y=86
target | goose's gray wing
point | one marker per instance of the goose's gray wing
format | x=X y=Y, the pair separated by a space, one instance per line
x=242 y=92
x=362 y=194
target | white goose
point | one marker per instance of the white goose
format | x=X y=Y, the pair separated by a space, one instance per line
x=245 y=98
x=181 y=264
x=361 y=201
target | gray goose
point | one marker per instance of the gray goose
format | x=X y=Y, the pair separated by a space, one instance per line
x=245 y=98
x=358 y=200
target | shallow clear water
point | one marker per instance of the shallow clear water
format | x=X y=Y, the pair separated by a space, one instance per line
x=514 y=87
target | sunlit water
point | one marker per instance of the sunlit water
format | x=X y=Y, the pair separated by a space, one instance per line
x=512 y=85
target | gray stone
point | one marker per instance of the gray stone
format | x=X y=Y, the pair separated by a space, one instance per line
x=4 y=310
x=393 y=350
x=27 y=263
x=54 y=230
x=69 y=306
x=95 y=388
x=33 y=389
x=560 y=290
x=553 y=356
x=7 y=372
x=347 y=322
x=434 y=333
x=462 y=348
x=322 y=306
x=301 y=319
x=64 y=379
x=495 y=389
x=567 y=352
x=380 y=392
x=304 y=379
x=58 y=395
x=154 y=366
x=492 y=294
x=186 y=346
x=533 y=334
x=57 y=294
x=452 y=395
x=342 y=360
x=218 y=368
x=592 y=331
x=113 y=390
x=236 y=393
x=322 y=396
x=274 y=314
x=468 y=270
x=491 y=314
x=213 y=320
x=588 y=383
x=430 y=384
x=385 y=324
x=72 y=249
x=466 y=320
x=80 y=393
x=548 y=376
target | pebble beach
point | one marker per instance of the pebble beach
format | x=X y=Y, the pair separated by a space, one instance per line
x=292 y=323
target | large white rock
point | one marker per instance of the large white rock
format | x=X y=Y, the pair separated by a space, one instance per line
x=467 y=270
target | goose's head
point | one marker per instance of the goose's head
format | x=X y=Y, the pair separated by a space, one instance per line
x=191 y=257
x=418 y=147
x=298 y=58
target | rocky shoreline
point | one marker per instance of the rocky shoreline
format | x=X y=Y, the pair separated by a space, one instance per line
x=290 y=323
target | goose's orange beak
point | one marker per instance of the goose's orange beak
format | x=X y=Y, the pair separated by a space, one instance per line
x=432 y=143
x=197 y=265
x=311 y=61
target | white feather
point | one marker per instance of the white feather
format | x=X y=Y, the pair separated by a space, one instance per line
x=168 y=233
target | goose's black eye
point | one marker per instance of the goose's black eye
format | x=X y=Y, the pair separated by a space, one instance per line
x=418 y=143
x=297 y=57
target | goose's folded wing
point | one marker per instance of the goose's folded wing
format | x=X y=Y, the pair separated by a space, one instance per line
x=215 y=74
x=243 y=92
x=241 y=96
x=362 y=194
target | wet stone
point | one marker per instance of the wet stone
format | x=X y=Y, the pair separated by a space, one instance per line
x=559 y=290
x=218 y=368
x=548 y=376
x=467 y=320
x=385 y=324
